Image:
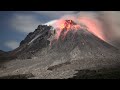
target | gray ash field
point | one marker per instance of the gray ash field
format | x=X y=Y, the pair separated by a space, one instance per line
x=77 y=55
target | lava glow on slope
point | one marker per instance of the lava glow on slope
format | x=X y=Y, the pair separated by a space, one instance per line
x=66 y=25
x=92 y=26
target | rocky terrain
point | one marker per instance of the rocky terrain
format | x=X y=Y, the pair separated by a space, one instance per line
x=45 y=58
x=2 y=54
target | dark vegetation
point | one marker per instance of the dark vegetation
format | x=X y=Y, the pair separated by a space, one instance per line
x=20 y=76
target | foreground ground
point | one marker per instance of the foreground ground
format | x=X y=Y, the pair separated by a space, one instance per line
x=76 y=69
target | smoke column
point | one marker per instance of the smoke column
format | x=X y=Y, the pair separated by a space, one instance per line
x=103 y=24
x=109 y=22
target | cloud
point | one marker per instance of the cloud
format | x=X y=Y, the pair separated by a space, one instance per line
x=11 y=44
x=50 y=22
x=54 y=14
x=110 y=24
x=24 y=23
x=111 y=19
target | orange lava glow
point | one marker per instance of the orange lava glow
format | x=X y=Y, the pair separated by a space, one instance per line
x=66 y=25
x=93 y=26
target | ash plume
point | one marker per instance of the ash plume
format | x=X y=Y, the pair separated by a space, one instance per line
x=103 y=24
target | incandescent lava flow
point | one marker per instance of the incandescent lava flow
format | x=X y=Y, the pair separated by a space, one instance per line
x=66 y=25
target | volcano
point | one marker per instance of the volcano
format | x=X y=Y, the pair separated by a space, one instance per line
x=66 y=38
x=61 y=50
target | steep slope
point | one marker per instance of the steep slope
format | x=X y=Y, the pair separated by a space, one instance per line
x=33 y=42
x=87 y=44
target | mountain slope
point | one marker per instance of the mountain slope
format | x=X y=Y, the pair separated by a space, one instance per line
x=33 y=42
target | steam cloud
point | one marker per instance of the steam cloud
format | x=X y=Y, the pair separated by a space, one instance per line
x=110 y=24
x=104 y=24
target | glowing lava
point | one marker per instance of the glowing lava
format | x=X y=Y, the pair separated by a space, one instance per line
x=65 y=25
